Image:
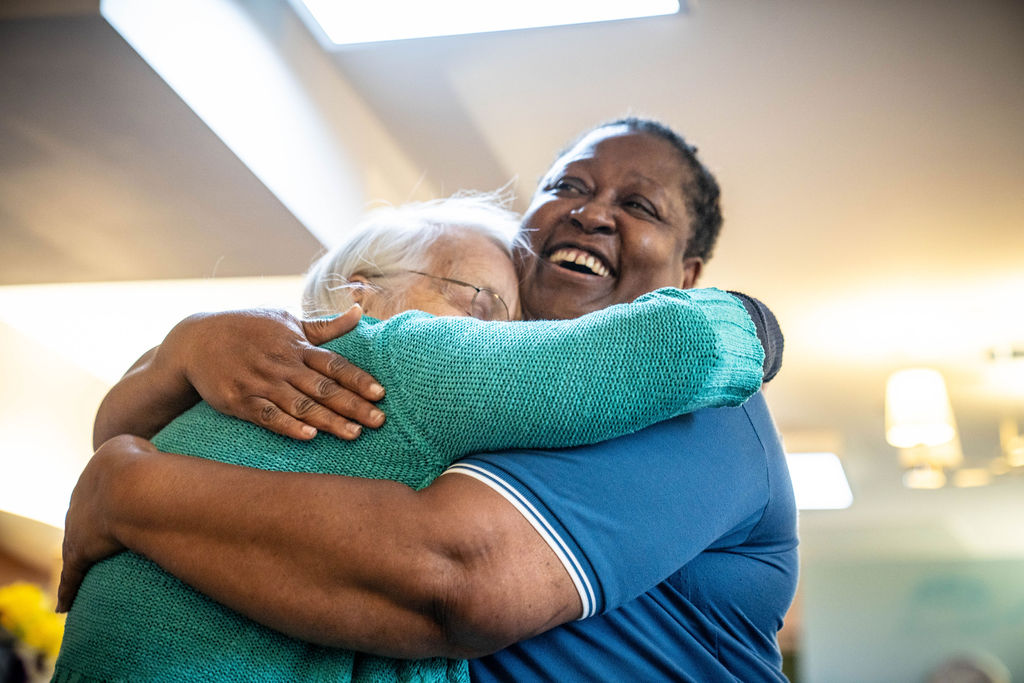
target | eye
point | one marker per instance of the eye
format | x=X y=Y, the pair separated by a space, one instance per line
x=569 y=185
x=641 y=205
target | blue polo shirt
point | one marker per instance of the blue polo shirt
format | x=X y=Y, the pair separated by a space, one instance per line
x=681 y=541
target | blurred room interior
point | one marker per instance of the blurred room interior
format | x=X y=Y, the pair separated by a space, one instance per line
x=162 y=157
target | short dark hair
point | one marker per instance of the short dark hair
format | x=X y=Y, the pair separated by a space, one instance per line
x=701 y=191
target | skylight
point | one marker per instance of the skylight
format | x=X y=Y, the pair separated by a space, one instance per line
x=346 y=23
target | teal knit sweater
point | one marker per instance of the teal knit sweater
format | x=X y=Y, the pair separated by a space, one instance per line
x=455 y=386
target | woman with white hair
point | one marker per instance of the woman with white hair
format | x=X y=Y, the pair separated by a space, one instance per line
x=393 y=242
x=437 y=285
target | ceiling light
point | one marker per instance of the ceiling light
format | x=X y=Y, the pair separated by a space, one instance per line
x=917 y=409
x=346 y=23
x=819 y=482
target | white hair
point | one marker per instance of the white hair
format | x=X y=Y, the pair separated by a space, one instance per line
x=391 y=239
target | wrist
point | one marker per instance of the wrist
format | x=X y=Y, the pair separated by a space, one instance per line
x=119 y=473
x=173 y=359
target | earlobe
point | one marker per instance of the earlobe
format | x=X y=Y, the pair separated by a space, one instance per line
x=692 y=267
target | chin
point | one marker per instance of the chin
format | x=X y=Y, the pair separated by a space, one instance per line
x=559 y=310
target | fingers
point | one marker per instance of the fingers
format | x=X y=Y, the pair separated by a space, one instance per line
x=336 y=367
x=344 y=374
x=303 y=419
x=302 y=400
x=320 y=392
x=328 y=405
x=260 y=366
x=320 y=332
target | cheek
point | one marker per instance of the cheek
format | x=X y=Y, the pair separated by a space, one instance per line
x=422 y=299
x=657 y=260
x=538 y=221
x=522 y=259
x=655 y=250
x=439 y=307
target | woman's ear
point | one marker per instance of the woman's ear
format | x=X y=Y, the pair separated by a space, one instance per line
x=357 y=290
x=692 y=267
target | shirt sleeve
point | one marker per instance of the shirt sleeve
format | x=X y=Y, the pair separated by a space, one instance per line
x=768 y=332
x=624 y=515
x=464 y=385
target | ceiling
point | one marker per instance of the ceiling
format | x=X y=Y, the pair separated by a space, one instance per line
x=871 y=157
x=105 y=174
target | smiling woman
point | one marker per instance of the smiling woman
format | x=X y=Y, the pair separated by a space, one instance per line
x=612 y=216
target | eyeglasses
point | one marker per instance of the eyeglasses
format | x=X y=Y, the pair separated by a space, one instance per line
x=485 y=304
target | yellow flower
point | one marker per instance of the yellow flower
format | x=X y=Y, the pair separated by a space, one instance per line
x=44 y=633
x=28 y=615
x=18 y=602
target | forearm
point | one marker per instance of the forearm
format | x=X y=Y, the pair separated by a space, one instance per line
x=362 y=564
x=146 y=399
x=561 y=383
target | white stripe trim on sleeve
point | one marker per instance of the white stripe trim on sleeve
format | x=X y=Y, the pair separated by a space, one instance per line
x=541 y=525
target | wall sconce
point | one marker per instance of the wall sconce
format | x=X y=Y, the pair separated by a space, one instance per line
x=924 y=467
x=919 y=422
x=917 y=409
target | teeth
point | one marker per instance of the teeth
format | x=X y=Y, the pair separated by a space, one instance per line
x=580 y=258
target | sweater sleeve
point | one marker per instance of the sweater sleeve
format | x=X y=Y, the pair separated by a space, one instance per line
x=463 y=385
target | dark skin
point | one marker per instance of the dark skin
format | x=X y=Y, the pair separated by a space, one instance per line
x=619 y=200
x=278 y=379
x=451 y=570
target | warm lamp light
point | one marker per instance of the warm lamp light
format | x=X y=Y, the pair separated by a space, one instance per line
x=924 y=477
x=946 y=455
x=971 y=477
x=917 y=409
x=1012 y=442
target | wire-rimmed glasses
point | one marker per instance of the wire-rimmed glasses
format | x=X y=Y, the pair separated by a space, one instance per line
x=485 y=304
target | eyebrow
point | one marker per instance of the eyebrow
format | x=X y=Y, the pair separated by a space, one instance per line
x=589 y=161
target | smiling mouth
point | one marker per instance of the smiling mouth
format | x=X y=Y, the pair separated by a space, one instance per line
x=579 y=261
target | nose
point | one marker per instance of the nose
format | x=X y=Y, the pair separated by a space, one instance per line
x=594 y=216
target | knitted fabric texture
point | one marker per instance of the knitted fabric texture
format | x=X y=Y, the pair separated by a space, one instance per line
x=456 y=386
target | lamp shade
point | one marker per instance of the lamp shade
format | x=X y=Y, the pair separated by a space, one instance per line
x=917 y=409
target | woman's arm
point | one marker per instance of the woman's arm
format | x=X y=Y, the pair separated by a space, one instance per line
x=263 y=366
x=465 y=386
x=149 y=396
x=330 y=559
x=363 y=564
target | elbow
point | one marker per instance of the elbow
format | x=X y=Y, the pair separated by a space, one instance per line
x=430 y=597
x=496 y=581
x=498 y=596
x=473 y=616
